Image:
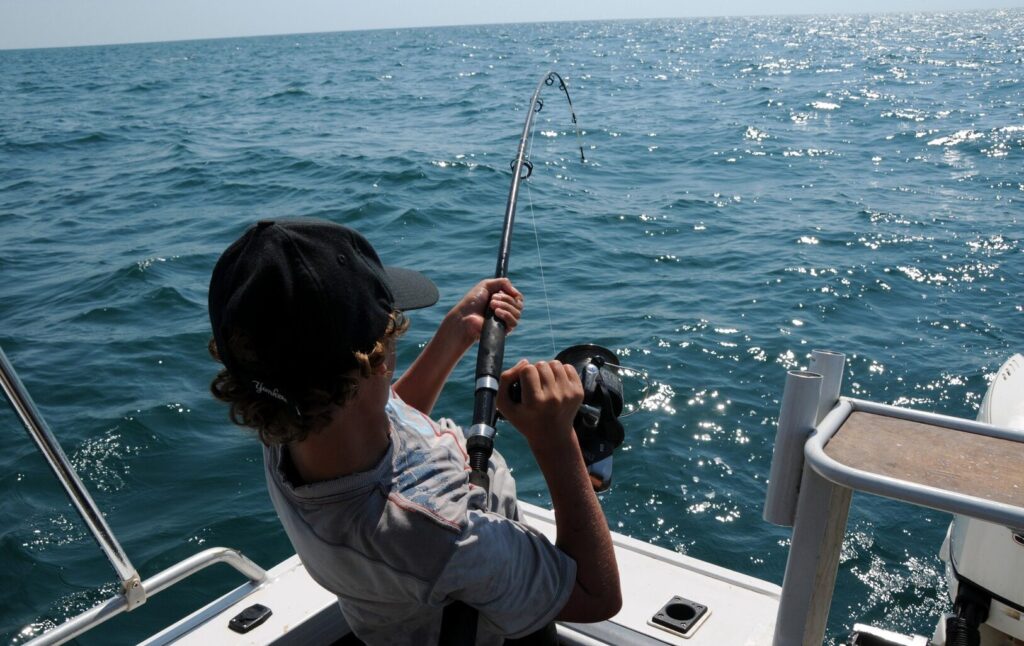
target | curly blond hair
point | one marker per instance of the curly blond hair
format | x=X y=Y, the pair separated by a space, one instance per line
x=308 y=411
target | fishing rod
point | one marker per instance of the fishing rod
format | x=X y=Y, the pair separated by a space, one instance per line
x=480 y=437
x=596 y=423
x=458 y=622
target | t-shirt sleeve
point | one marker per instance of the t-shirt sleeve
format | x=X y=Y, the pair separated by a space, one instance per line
x=509 y=572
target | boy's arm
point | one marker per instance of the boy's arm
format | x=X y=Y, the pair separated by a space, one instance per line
x=421 y=384
x=552 y=393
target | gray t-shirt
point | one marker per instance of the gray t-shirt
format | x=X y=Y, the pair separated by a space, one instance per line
x=399 y=542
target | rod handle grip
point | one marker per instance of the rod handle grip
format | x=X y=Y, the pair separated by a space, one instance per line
x=492 y=347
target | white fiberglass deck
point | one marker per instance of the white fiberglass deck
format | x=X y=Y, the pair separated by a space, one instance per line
x=742 y=608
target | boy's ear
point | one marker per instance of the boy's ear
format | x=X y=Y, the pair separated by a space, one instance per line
x=380 y=369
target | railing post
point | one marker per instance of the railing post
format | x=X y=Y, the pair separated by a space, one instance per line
x=21 y=402
x=161 y=581
x=818 y=530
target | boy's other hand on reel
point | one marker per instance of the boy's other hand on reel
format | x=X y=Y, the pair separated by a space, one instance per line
x=551 y=395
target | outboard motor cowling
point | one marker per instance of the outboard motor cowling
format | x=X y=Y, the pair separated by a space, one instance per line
x=986 y=560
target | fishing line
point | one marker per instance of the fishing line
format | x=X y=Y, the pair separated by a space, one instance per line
x=536 y=238
x=540 y=266
x=622 y=370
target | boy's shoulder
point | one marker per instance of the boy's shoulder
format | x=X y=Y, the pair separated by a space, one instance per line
x=430 y=468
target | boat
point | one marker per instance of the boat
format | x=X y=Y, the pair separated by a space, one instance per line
x=826 y=447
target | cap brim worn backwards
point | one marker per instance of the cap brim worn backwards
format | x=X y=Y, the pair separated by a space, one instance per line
x=411 y=289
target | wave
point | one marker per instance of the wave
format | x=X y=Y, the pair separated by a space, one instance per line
x=287 y=94
x=64 y=143
x=148 y=86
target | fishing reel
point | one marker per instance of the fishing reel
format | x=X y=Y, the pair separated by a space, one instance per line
x=596 y=423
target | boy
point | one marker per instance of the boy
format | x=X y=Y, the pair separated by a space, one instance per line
x=373 y=494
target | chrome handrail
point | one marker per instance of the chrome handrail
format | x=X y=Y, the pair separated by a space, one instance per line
x=953 y=502
x=79 y=495
x=157 y=583
x=133 y=590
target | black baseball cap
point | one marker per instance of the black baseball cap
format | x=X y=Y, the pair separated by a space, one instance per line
x=292 y=299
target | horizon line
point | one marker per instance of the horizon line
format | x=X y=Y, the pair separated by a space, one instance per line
x=498 y=24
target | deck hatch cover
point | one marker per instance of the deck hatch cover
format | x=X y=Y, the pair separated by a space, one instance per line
x=679 y=615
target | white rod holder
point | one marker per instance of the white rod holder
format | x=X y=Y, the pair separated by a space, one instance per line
x=830 y=366
x=800 y=402
x=820 y=509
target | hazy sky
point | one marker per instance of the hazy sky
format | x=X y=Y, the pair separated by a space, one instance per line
x=56 y=23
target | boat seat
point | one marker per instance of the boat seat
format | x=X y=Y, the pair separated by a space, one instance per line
x=935 y=456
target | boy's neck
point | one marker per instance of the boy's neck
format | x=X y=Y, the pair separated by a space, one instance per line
x=354 y=441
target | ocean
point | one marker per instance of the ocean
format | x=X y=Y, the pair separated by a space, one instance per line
x=755 y=188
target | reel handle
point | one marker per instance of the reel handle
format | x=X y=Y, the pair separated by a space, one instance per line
x=589 y=376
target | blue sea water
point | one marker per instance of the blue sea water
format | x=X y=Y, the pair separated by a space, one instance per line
x=755 y=188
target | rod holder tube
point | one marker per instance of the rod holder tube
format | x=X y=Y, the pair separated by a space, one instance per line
x=830 y=366
x=796 y=421
x=48 y=445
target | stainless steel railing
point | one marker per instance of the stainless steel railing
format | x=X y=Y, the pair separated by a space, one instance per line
x=134 y=591
x=79 y=495
x=165 y=579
